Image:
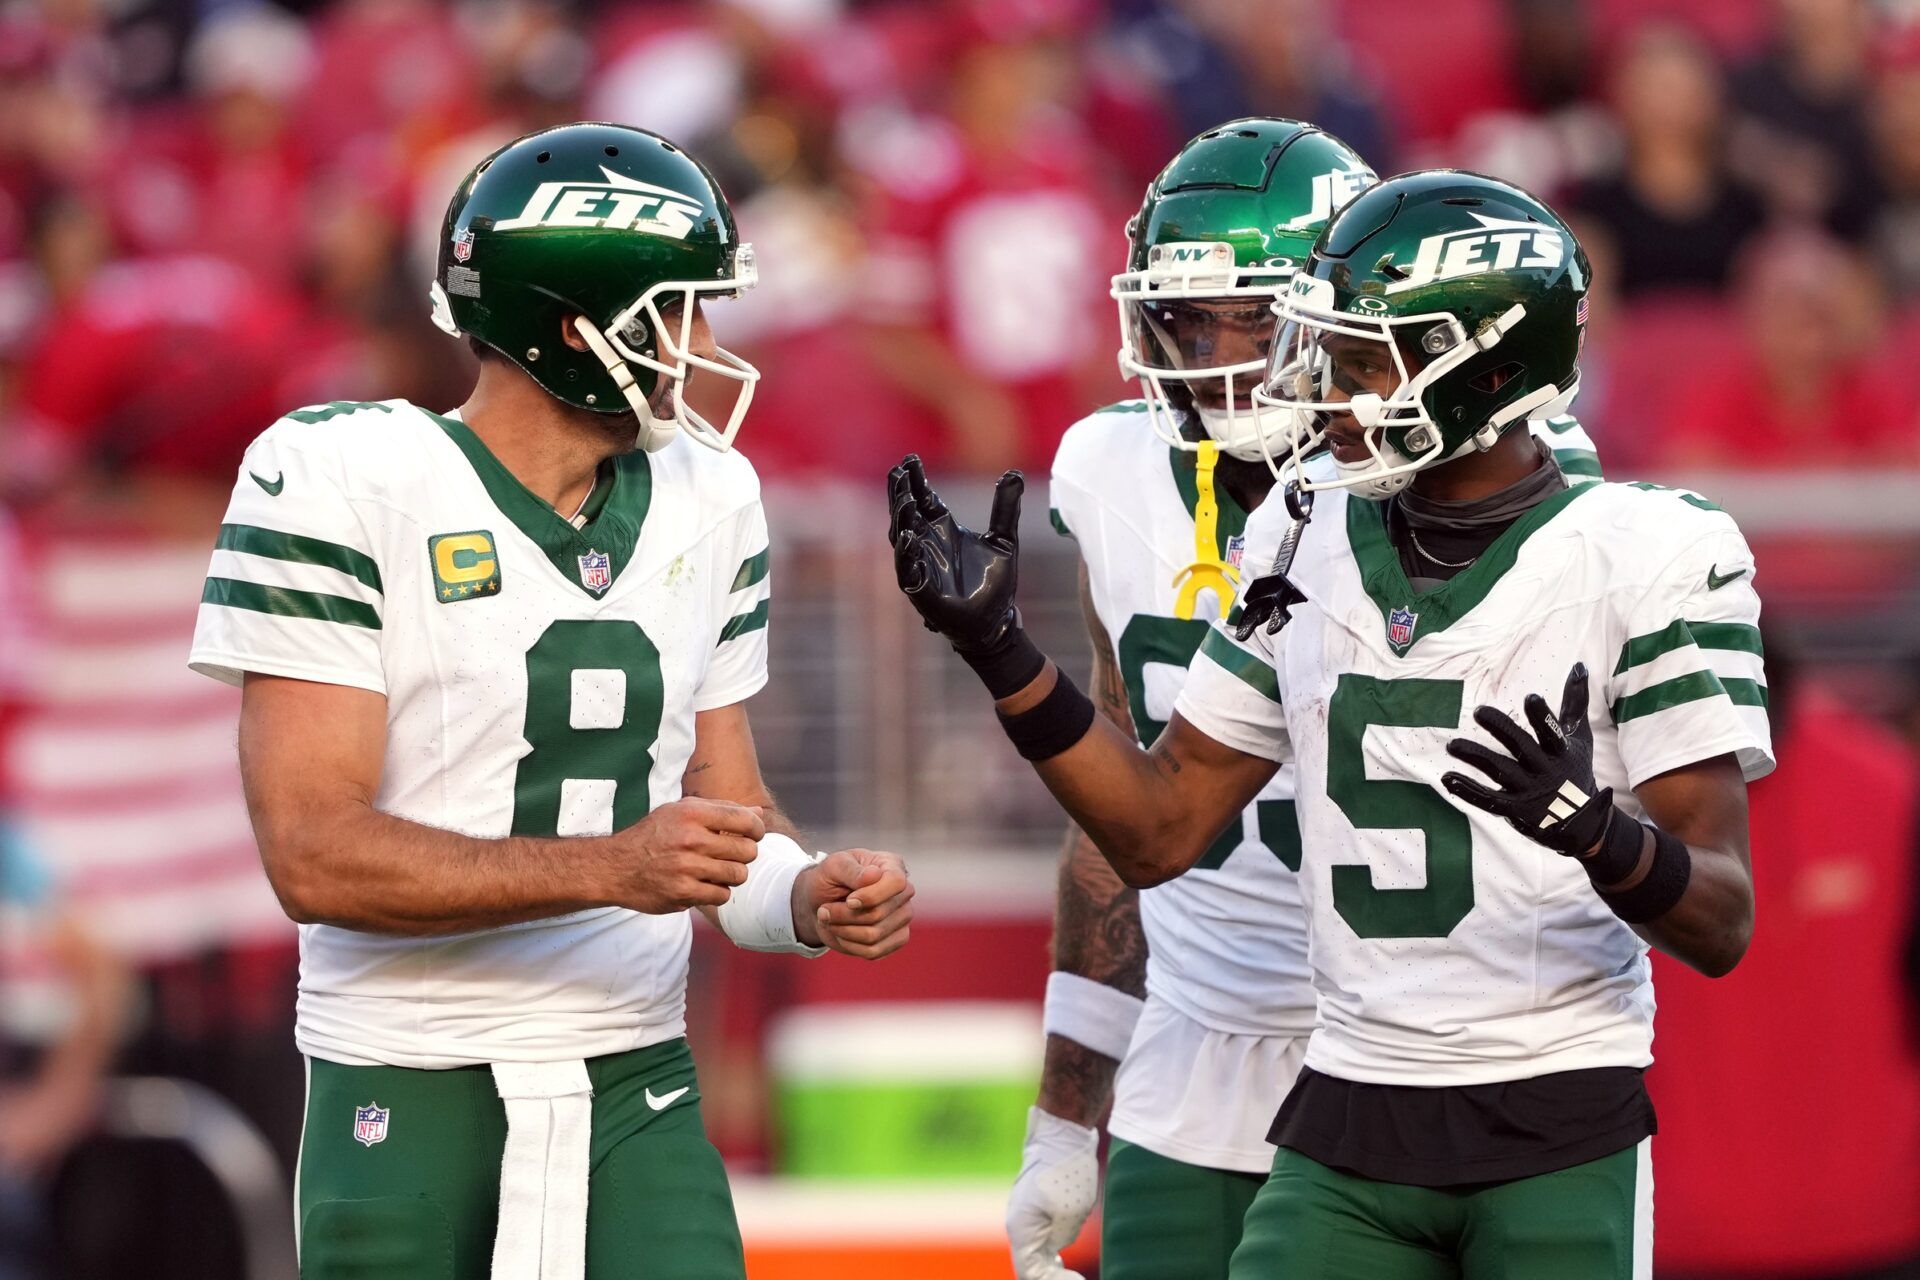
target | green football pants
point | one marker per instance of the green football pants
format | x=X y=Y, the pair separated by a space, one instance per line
x=420 y=1201
x=1164 y=1220
x=1591 y=1222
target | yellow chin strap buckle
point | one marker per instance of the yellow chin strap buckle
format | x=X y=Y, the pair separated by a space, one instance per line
x=1208 y=572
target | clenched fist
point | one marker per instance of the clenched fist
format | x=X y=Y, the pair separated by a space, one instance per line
x=855 y=901
x=690 y=853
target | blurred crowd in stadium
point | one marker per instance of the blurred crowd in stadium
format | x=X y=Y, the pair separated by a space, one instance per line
x=214 y=210
x=235 y=200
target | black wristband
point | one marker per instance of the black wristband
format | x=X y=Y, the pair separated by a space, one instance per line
x=1009 y=663
x=1053 y=724
x=1662 y=887
x=1620 y=847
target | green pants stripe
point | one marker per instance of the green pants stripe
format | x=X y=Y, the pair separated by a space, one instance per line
x=1591 y=1222
x=1165 y=1220
x=413 y=1194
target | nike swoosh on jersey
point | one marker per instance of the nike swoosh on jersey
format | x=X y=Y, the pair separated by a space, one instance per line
x=272 y=487
x=1715 y=580
x=660 y=1102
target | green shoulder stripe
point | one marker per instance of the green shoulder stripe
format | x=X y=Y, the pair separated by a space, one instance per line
x=1254 y=673
x=752 y=569
x=1581 y=463
x=1059 y=522
x=1680 y=633
x=1691 y=687
x=275 y=545
x=334 y=408
x=740 y=624
x=1124 y=406
x=1691 y=499
x=285 y=603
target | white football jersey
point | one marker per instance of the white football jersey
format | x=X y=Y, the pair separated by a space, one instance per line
x=1226 y=942
x=541 y=680
x=1447 y=948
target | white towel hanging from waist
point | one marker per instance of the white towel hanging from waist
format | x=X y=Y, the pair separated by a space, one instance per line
x=543 y=1172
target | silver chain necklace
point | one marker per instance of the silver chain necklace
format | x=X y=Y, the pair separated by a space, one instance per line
x=1431 y=558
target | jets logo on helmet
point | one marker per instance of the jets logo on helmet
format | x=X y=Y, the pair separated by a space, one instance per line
x=618 y=204
x=1330 y=191
x=1437 y=310
x=1503 y=246
x=631 y=297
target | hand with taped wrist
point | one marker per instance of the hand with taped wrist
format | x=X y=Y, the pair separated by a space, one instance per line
x=1544 y=785
x=962 y=582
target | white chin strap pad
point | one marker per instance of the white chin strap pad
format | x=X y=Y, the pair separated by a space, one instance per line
x=1240 y=433
x=655 y=433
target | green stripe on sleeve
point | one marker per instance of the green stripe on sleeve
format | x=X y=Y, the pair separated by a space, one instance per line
x=740 y=624
x=1740 y=636
x=275 y=545
x=1579 y=462
x=1254 y=673
x=1727 y=635
x=1059 y=522
x=1675 y=635
x=286 y=603
x=1745 y=693
x=753 y=569
x=1678 y=691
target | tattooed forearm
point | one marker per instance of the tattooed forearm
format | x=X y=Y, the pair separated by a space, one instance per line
x=1096 y=924
x=1097 y=935
x=1076 y=1083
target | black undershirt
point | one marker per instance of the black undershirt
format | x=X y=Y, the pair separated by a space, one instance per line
x=1460 y=1135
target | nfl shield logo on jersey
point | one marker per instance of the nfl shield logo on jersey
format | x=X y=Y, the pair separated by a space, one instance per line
x=370 y=1123
x=1236 y=550
x=1400 y=627
x=596 y=571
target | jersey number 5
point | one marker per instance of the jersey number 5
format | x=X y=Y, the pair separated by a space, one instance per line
x=1371 y=804
x=594 y=697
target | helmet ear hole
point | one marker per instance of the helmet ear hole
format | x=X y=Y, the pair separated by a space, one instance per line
x=1493 y=379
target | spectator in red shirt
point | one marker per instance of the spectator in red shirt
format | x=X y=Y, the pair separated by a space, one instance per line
x=222 y=173
x=1813 y=385
x=990 y=249
x=164 y=365
x=1789 y=1093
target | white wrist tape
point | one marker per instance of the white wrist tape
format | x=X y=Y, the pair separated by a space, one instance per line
x=759 y=915
x=1091 y=1013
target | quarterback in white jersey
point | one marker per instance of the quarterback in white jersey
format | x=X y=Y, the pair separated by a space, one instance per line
x=495 y=747
x=1478 y=902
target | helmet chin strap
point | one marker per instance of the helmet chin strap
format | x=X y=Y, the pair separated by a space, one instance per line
x=655 y=433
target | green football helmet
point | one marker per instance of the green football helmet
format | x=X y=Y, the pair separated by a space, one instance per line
x=1221 y=232
x=1465 y=293
x=621 y=231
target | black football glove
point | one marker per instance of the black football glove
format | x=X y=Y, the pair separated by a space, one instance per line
x=961 y=582
x=1545 y=786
